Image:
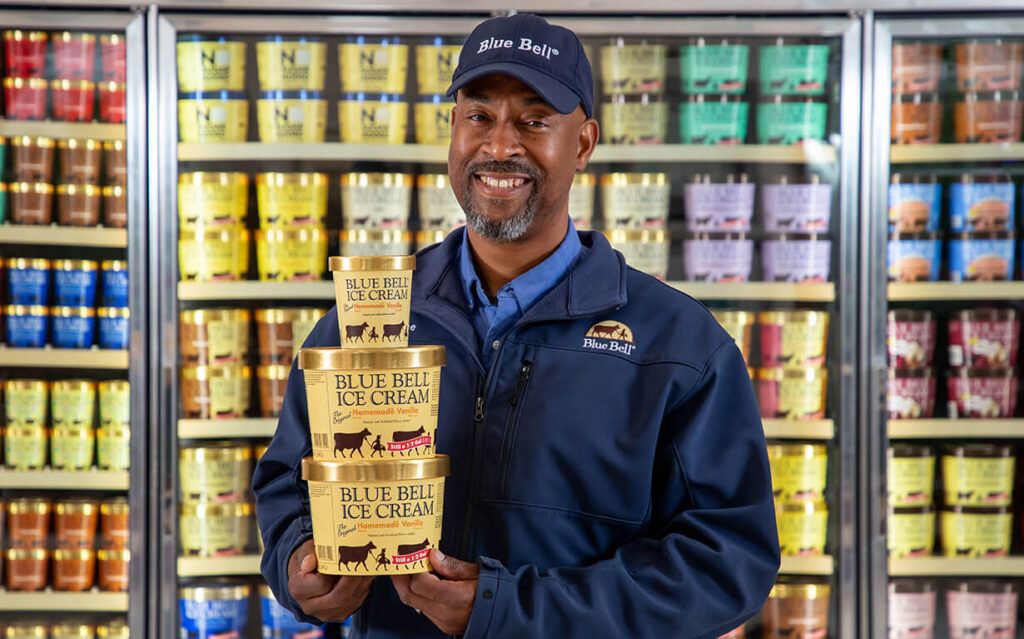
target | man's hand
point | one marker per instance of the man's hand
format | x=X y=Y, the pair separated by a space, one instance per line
x=446 y=600
x=326 y=597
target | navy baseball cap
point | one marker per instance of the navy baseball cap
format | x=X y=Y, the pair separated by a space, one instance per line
x=547 y=58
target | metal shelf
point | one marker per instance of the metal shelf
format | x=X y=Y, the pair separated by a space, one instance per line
x=50 y=600
x=811 y=153
x=226 y=428
x=923 y=291
x=48 y=478
x=792 y=429
x=761 y=291
x=54 y=235
x=942 y=566
x=821 y=565
x=49 y=357
x=251 y=289
x=933 y=153
x=215 y=566
x=60 y=130
x=955 y=428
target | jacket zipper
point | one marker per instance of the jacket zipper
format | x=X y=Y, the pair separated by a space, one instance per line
x=515 y=408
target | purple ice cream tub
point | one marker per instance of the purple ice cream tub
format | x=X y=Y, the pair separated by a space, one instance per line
x=796 y=258
x=717 y=257
x=981 y=257
x=796 y=208
x=716 y=207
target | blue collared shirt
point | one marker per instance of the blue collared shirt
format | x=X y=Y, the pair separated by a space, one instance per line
x=493 y=319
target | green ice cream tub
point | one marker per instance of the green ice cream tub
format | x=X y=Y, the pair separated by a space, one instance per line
x=790 y=121
x=713 y=67
x=713 y=119
x=3 y=202
x=793 y=69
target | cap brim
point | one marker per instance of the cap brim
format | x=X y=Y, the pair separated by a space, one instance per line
x=552 y=91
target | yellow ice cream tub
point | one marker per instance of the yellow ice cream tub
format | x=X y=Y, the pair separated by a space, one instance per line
x=373 y=118
x=978 y=475
x=214 y=530
x=215 y=392
x=376 y=200
x=26 y=402
x=291 y=199
x=433 y=119
x=975 y=531
x=291 y=116
x=372 y=403
x=581 y=200
x=211 y=199
x=646 y=250
x=212 y=255
x=910 y=475
x=72 y=448
x=372 y=295
x=435 y=64
x=635 y=200
x=73 y=403
x=376 y=518
x=439 y=208
x=213 y=117
x=290 y=64
x=291 y=255
x=799 y=471
x=426 y=238
x=373 y=65
x=25 y=447
x=803 y=527
x=633 y=67
x=373 y=242
x=635 y=119
x=216 y=472
x=210 y=63
x=911 y=532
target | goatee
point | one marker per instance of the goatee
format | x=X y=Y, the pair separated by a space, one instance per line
x=513 y=227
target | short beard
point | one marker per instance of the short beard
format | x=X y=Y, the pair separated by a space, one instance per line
x=509 y=229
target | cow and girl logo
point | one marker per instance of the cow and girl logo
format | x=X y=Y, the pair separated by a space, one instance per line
x=366 y=333
x=408 y=555
x=401 y=442
x=611 y=336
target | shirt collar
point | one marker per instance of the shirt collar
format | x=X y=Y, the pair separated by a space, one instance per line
x=531 y=285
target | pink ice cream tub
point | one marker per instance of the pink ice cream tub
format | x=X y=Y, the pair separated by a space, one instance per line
x=73 y=55
x=796 y=208
x=25 y=98
x=911 y=338
x=719 y=206
x=984 y=608
x=911 y=393
x=796 y=258
x=112 y=102
x=73 y=100
x=25 y=53
x=717 y=257
x=982 y=393
x=112 y=57
x=984 y=338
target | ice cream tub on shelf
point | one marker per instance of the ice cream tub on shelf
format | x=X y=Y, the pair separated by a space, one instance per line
x=214 y=609
x=376 y=518
x=799 y=471
x=914 y=257
x=73 y=403
x=911 y=605
x=796 y=258
x=26 y=325
x=989 y=65
x=646 y=250
x=78 y=205
x=3 y=193
x=436 y=60
x=212 y=255
x=25 y=448
x=271 y=382
x=213 y=336
x=74 y=55
x=719 y=206
x=797 y=207
x=635 y=119
x=802 y=527
x=915 y=203
x=581 y=201
x=215 y=472
x=797 y=609
x=280 y=333
x=916 y=66
x=293 y=254
x=74 y=282
x=25 y=98
x=73 y=326
x=115 y=163
x=910 y=475
x=432 y=118
x=911 y=531
x=278 y=621
x=793 y=338
x=215 y=392
x=375 y=403
x=791 y=393
x=114 y=283
x=25 y=53
x=373 y=65
x=374 y=242
x=291 y=116
x=73 y=100
x=212 y=199
x=72 y=448
x=115 y=403
x=981 y=256
x=982 y=203
x=112 y=327
x=112 y=57
x=373 y=118
x=713 y=66
x=28 y=280
x=970 y=532
x=982 y=393
x=984 y=337
x=910 y=393
x=426 y=238
x=793 y=69
x=210 y=63
x=214 y=530
x=290 y=63
x=982 y=607
x=916 y=118
x=373 y=295
x=440 y=210
x=713 y=119
x=113 y=448
x=291 y=199
x=978 y=474
x=988 y=118
x=80 y=161
x=31 y=202
x=632 y=67
x=213 y=117
x=740 y=327
x=635 y=200
x=113 y=102
x=787 y=121
x=376 y=200
x=717 y=257
x=26 y=402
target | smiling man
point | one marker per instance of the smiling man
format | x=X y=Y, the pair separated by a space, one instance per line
x=609 y=473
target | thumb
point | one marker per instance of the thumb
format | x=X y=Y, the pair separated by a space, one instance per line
x=308 y=563
x=452 y=568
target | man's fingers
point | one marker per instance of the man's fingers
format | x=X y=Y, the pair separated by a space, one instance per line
x=310 y=585
x=346 y=595
x=308 y=563
x=452 y=568
x=402 y=585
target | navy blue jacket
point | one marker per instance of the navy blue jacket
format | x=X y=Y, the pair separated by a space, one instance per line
x=608 y=472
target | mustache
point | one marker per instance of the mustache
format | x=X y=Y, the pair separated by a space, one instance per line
x=508 y=166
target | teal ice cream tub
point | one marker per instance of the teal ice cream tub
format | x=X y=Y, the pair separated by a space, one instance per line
x=713 y=67
x=718 y=119
x=790 y=121
x=3 y=194
x=793 y=69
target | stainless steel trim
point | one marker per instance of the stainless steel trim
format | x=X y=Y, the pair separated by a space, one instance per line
x=963 y=27
x=98 y=20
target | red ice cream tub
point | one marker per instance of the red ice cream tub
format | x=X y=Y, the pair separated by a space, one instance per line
x=25 y=98
x=982 y=393
x=73 y=100
x=25 y=53
x=73 y=55
x=112 y=57
x=984 y=338
x=112 y=102
x=911 y=393
x=911 y=338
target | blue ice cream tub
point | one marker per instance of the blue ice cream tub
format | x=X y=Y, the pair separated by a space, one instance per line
x=73 y=326
x=114 y=283
x=28 y=281
x=981 y=257
x=74 y=282
x=279 y=623
x=981 y=203
x=915 y=203
x=26 y=325
x=213 y=609
x=914 y=257
x=113 y=327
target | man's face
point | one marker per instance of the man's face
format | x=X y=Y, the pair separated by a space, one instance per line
x=513 y=157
